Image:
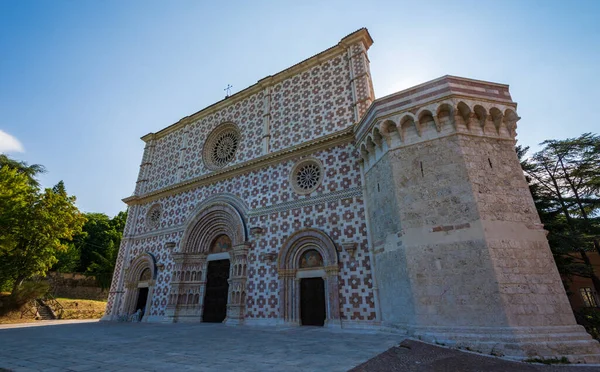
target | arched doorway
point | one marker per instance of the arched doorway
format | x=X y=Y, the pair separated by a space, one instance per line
x=217 y=286
x=210 y=268
x=312 y=290
x=139 y=284
x=308 y=278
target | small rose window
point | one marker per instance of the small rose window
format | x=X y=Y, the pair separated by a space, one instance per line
x=306 y=176
x=153 y=216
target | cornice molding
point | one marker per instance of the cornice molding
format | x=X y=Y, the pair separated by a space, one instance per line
x=325 y=142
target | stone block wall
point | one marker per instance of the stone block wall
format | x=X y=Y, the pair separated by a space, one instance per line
x=529 y=283
x=71 y=285
x=435 y=255
x=468 y=262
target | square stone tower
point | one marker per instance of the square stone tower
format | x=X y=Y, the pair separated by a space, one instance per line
x=460 y=255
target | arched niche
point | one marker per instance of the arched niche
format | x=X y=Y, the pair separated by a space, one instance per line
x=308 y=244
x=140 y=280
x=218 y=218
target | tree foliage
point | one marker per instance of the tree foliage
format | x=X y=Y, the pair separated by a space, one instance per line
x=35 y=224
x=29 y=171
x=98 y=246
x=564 y=178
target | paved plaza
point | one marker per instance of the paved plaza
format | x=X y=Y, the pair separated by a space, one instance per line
x=93 y=346
x=87 y=346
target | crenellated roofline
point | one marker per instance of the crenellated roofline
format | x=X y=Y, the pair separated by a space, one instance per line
x=429 y=92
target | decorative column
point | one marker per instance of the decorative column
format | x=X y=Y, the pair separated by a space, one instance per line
x=236 y=303
x=130 y=297
x=186 y=297
x=286 y=285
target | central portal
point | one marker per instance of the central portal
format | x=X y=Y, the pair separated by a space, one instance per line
x=215 y=299
x=312 y=298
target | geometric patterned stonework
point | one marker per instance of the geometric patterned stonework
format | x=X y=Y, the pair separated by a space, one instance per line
x=414 y=212
x=290 y=112
x=304 y=107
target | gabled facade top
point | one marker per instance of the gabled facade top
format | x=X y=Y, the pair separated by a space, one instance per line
x=316 y=98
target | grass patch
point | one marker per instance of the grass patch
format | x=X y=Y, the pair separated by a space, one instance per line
x=13 y=316
x=562 y=360
x=82 y=309
x=73 y=309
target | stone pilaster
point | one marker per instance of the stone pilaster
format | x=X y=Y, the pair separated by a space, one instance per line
x=267 y=121
x=182 y=151
x=146 y=165
x=360 y=75
x=236 y=302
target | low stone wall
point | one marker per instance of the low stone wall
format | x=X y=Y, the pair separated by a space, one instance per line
x=74 y=285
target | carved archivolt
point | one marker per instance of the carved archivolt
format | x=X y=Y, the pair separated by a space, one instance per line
x=216 y=219
x=138 y=265
x=300 y=245
x=303 y=240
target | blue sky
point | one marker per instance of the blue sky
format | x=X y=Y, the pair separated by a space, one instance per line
x=82 y=81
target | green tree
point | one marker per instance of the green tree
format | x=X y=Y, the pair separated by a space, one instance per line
x=35 y=224
x=98 y=246
x=29 y=171
x=16 y=192
x=103 y=266
x=564 y=180
x=96 y=237
x=68 y=260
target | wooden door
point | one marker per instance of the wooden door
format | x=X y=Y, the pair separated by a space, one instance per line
x=215 y=298
x=312 y=301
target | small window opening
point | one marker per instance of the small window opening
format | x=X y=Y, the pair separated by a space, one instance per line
x=422 y=174
x=589 y=297
x=489 y=161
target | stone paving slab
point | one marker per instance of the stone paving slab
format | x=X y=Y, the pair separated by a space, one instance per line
x=93 y=346
x=54 y=346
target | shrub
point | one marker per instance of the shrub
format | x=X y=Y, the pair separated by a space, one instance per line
x=27 y=291
x=589 y=318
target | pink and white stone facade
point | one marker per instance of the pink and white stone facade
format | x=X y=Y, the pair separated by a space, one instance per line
x=422 y=216
x=307 y=111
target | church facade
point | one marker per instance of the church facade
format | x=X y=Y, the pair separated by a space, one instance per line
x=303 y=200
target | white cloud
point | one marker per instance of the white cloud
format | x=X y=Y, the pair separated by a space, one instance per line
x=9 y=143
